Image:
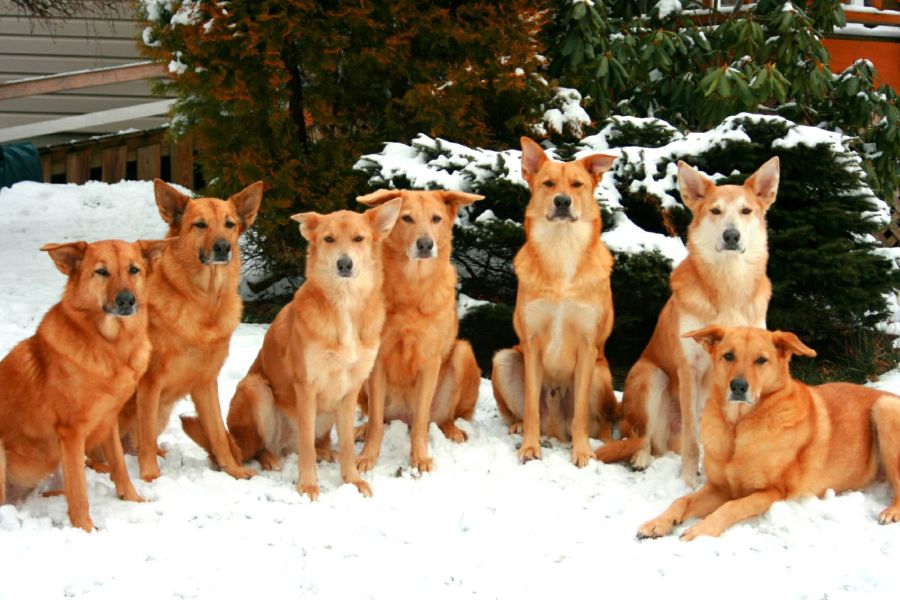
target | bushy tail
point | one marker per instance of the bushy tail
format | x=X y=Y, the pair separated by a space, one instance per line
x=2 y=474
x=619 y=450
x=194 y=430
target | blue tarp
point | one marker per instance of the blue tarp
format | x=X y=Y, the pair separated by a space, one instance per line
x=19 y=162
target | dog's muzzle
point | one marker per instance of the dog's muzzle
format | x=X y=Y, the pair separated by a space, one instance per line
x=125 y=305
x=220 y=254
x=424 y=248
x=738 y=390
x=562 y=209
x=731 y=241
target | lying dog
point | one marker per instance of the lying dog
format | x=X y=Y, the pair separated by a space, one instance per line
x=768 y=437
x=423 y=374
x=61 y=390
x=194 y=309
x=722 y=280
x=318 y=351
x=557 y=381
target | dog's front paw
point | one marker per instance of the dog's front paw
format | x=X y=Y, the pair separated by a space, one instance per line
x=454 y=433
x=423 y=463
x=704 y=527
x=82 y=522
x=309 y=489
x=129 y=494
x=890 y=515
x=239 y=472
x=365 y=462
x=150 y=473
x=326 y=455
x=362 y=487
x=529 y=452
x=654 y=529
x=581 y=456
x=516 y=428
x=268 y=461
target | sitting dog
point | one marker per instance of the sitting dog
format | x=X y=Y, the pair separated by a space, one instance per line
x=423 y=374
x=722 y=280
x=769 y=437
x=318 y=351
x=61 y=390
x=194 y=309
x=557 y=381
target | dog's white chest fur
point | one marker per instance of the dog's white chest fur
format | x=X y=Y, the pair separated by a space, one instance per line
x=561 y=326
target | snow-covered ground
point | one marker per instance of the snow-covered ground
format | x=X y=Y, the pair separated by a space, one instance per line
x=479 y=526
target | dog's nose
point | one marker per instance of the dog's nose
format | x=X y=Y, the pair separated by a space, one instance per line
x=562 y=201
x=424 y=245
x=739 y=387
x=125 y=302
x=345 y=266
x=221 y=248
x=731 y=236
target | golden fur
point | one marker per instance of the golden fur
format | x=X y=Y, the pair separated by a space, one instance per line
x=61 y=389
x=769 y=437
x=318 y=351
x=194 y=309
x=423 y=373
x=557 y=381
x=667 y=387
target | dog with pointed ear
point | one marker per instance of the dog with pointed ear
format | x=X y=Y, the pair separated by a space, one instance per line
x=423 y=373
x=769 y=437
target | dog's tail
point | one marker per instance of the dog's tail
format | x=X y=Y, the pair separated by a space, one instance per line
x=2 y=473
x=194 y=430
x=619 y=450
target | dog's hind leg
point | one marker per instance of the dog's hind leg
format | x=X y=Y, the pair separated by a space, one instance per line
x=255 y=423
x=457 y=391
x=508 y=381
x=886 y=416
x=605 y=408
x=2 y=474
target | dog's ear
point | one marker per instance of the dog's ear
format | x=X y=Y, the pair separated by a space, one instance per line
x=151 y=250
x=246 y=203
x=308 y=223
x=456 y=200
x=597 y=165
x=708 y=336
x=384 y=217
x=379 y=197
x=171 y=203
x=789 y=343
x=533 y=157
x=66 y=257
x=693 y=185
x=764 y=183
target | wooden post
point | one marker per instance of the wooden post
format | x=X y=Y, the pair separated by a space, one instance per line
x=78 y=166
x=113 y=163
x=181 y=158
x=46 y=167
x=148 y=162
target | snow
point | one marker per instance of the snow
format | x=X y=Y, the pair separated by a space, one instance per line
x=479 y=526
x=668 y=7
x=566 y=114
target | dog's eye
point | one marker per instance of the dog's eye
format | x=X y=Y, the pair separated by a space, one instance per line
x=436 y=219
x=716 y=211
x=133 y=270
x=229 y=224
x=548 y=183
x=746 y=211
x=358 y=238
x=407 y=219
x=761 y=360
x=577 y=184
x=728 y=356
x=102 y=272
x=329 y=239
x=200 y=225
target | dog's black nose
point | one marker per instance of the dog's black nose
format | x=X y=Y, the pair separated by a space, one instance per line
x=125 y=302
x=221 y=248
x=562 y=202
x=731 y=237
x=345 y=266
x=424 y=245
x=739 y=387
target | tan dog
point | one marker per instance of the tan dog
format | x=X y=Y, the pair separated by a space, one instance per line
x=768 y=437
x=722 y=280
x=319 y=350
x=557 y=381
x=423 y=374
x=194 y=309
x=61 y=390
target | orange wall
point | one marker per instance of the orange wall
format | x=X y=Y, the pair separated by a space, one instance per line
x=884 y=55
